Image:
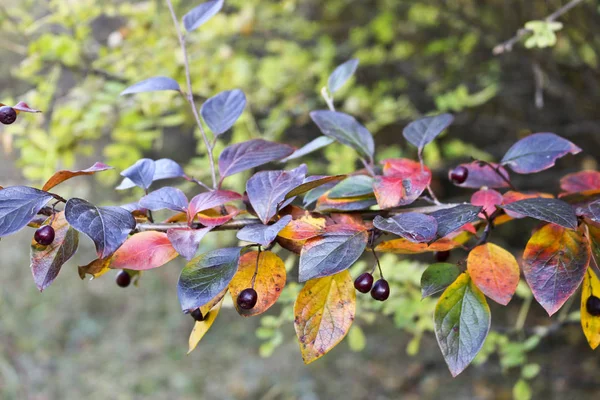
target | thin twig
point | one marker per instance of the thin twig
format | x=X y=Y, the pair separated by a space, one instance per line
x=190 y=94
x=508 y=45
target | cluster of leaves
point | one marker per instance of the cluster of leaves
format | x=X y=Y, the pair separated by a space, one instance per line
x=364 y=211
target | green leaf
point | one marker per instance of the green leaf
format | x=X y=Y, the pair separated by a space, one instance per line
x=356 y=339
x=438 y=277
x=521 y=390
x=462 y=321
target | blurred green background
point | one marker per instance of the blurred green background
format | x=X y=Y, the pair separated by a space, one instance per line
x=91 y=339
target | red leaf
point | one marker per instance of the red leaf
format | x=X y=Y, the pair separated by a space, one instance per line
x=217 y=216
x=488 y=199
x=144 y=250
x=23 y=107
x=580 y=181
x=403 y=182
x=208 y=200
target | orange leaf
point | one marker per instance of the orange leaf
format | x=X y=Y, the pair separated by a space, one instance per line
x=217 y=216
x=403 y=246
x=305 y=227
x=403 y=182
x=62 y=176
x=495 y=271
x=144 y=250
x=269 y=283
x=323 y=314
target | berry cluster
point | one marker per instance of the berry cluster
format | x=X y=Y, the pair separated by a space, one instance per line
x=380 y=290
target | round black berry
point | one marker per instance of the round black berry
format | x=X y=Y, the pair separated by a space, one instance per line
x=44 y=235
x=197 y=315
x=123 y=278
x=593 y=306
x=442 y=256
x=8 y=115
x=364 y=282
x=381 y=290
x=459 y=174
x=247 y=299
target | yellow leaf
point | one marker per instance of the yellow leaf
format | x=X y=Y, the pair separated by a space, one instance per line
x=269 y=283
x=323 y=314
x=590 y=323
x=201 y=327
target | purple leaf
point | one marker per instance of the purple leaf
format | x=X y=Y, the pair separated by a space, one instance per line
x=313 y=145
x=550 y=210
x=155 y=84
x=246 y=155
x=200 y=14
x=169 y=198
x=537 y=152
x=591 y=211
x=141 y=173
x=18 y=206
x=346 y=130
x=312 y=182
x=484 y=175
x=417 y=228
x=135 y=206
x=341 y=74
x=206 y=276
x=267 y=189
x=207 y=200
x=263 y=234
x=331 y=253
x=422 y=131
x=164 y=168
x=452 y=219
x=108 y=227
x=221 y=111
x=186 y=240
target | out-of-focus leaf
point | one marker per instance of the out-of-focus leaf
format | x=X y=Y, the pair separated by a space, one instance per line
x=422 y=131
x=341 y=74
x=63 y=175
x=155 y=84
x=221 y=111
x=144 y=250
x=164 y=168
x=438 y=277
x=169 y=198
x=537 y=152
x=253 y=153
x=18 y=206
x=108 y=227
x=452 y=219
x=323 y=314
x=590 y=323
x=141 y=173
x=346 y=130
x=554 y=264
x=207 y=200
x=580 y=181
x=24 y=107
x=483 y=175
x=488 y=199
x=263 y=234
x=201 y=327
x=46 y=261
x=403 y=246
x=591 y=211
x=267 y=190
x=403 y=182
x=186 y=240
x=550 y=210
x=270 y=280
x=200 y=14
x=411 y=226
x=206 y=276
x=462 y=321
x=312 y=146
x=495 y=271
x=353 y=186
x=326 y=204
x=334 y=251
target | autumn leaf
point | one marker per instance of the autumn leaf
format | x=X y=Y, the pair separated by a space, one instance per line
x=323 y=314
x=270 y=280
x=495 y=271
x=96 y=268
x=580 y=181
x=144 y=250
x=201 y=327
x=64 y=175
x=403 y=246
x=438 y=277
x=554 y=264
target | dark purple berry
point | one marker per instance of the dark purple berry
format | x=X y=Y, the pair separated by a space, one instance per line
x=364 y=282
x=459 y=174
x=123 y=278
x=197 y=315
x=381 y=290
x=442 y=256
x=247 y=299
x=592 y=306
x=44 y=235
x=8 y=115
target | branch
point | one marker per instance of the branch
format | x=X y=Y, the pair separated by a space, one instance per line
x=190 y=94
x=508 y=45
